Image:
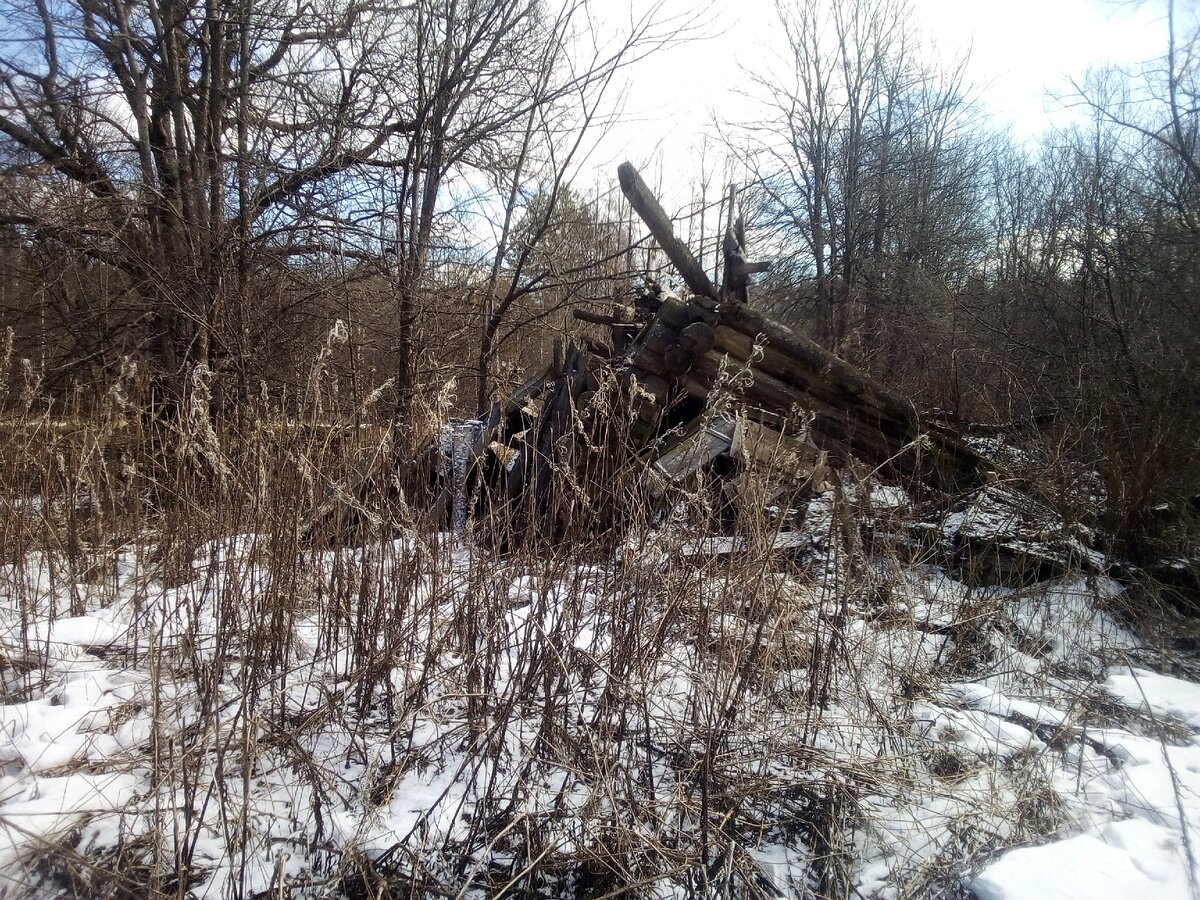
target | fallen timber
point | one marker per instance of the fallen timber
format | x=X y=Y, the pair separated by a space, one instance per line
x=612 y=428
x=671 y=359
x=851 y=415
x=548 y=457
x=689 y=343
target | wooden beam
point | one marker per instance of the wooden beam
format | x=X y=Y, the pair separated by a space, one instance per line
x=648 y=208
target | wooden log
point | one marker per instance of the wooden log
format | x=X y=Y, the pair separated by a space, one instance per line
x=844 y=429
x=845 y=422
x=742 y=270
x=624 y=326
x=649 y=349
x=555 y=424
x=597 y=318
x=697 y=337
x=648 y=302
x=761 y=390
x=620 y=315
x=678 y=359
x=681 y=313
x=655 y=385
x=597 y=348
x=733 y=287
x=841 y=378
x=648 y=208
x=809 y=382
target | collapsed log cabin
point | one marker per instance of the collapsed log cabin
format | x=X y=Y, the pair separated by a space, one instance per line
x=690 y=342
x=642 y=401
x=668 y=355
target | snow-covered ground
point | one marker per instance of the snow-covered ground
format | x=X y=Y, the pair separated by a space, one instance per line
x=794 y=718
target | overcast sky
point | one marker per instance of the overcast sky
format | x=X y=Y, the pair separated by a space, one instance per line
x=1021 y=52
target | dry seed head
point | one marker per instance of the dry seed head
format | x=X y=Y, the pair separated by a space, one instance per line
x=201 y=437
x=376 y=394
x=32 y=383
x=338 y=335
x=6 y=362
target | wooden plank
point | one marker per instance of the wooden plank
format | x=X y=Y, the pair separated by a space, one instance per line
x=756 y=442
x=694 y=449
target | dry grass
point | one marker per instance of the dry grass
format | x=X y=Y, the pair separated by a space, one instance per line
x=618 y=715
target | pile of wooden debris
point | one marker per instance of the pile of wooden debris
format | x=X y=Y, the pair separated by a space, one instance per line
x=649 y=396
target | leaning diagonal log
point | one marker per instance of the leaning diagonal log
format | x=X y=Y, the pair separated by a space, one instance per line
x=647 y=206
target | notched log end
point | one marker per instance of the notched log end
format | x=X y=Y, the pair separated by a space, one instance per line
x=627 y=175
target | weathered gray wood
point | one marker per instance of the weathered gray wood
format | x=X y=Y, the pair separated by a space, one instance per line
x=697 y=337
x=648 y=208
x=856 y=408
x=742 y=270
x=677 y=360
x=693 y=449
x=595 y=347
x=855 y=415
x=686 y=348
x=757 y=442
x=678 y=314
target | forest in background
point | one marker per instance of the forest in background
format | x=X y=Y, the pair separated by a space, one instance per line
x=215 y=199
x=272 y=627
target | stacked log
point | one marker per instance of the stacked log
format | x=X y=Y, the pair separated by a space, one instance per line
x=690 y=343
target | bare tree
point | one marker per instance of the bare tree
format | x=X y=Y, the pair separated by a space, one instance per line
x=223 y=163
x=576 y=86
x=867 y=168
x=1092 y=305
x=183 y=140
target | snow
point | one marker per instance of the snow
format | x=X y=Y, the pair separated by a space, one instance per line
x=1124 y=863
x=1005 y=517
x=1159 y=694
x=889 y=496
x=62 y=726
x=76 y=630
x=33 y=811
x=991 y=700
x=1005 y=739
x=1144 y=816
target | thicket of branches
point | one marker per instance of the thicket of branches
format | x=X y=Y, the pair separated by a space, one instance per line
x=254 y=253
x=191 y=182
x=207 y=186
x=1053 y=290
